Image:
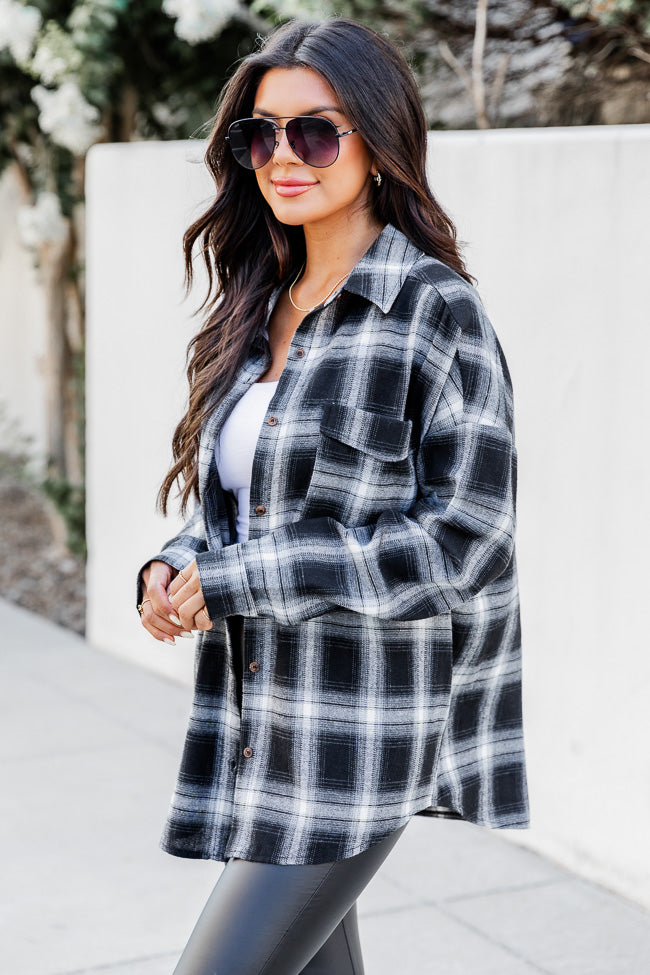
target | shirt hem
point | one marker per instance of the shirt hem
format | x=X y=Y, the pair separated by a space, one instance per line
x=222 y=854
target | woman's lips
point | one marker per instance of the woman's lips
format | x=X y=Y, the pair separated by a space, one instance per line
x=291 y=187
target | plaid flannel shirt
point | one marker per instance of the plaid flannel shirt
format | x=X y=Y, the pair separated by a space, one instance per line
x=377 y=588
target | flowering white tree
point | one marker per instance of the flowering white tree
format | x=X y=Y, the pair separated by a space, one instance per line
x=101 y=70
x=200 y=20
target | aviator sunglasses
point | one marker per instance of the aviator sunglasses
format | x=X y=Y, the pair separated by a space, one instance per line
x=314 y=140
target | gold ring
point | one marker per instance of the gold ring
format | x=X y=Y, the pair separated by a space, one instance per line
x=204 y=610
x=182 y=576
x=141 y=605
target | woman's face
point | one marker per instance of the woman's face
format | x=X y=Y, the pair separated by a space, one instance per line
x=297 y=193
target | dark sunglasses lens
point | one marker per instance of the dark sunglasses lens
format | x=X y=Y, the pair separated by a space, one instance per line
x=252 y=142
x=314 y=140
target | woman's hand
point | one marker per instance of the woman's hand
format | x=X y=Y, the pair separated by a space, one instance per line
x=159 y=616
x=187 y=600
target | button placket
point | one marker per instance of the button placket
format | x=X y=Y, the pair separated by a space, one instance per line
x=260 y=509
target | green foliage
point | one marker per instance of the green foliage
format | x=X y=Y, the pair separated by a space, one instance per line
x=634 y=14
x=128 y=63
x=378 y=14
x=16 y=459
x=16 y=449
x=70 y=501
x=75 y=73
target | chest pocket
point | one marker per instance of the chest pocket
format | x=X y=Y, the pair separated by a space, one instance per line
x=362 y=465
x=384 y=437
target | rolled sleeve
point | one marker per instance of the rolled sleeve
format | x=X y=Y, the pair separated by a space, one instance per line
x=224 y=583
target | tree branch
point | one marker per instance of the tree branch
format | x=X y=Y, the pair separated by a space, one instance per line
x=453 y=62
x=478 y=50
x=474 y=82
x=497 y=87
x=639 y=53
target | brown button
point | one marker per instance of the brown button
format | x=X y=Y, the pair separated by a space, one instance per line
x=260 y=510
x=254 y=666
x=272 y=421
x=300 y=353
x=248 y=752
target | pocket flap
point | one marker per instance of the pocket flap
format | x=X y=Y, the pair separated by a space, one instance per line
x=385 y=437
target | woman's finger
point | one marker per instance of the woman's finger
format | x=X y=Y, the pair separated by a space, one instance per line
x=162 y=605
x=202 y=621
x=159 y=625
x=163 y=613
x=188 y=606
x=156 y=607
x=158 y=633
x=189 y=576
x=186 y=597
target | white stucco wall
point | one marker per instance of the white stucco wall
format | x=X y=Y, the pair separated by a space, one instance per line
x=140 y=199
x=558 y=225
x=559 y=221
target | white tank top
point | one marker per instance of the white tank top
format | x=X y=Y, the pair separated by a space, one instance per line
x=235 y=447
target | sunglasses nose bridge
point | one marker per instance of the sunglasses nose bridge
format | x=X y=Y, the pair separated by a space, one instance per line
x=282 y=143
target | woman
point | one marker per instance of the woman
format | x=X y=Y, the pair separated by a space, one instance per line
x=350 y=561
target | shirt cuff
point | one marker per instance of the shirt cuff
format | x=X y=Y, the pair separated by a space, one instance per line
x=224 y=583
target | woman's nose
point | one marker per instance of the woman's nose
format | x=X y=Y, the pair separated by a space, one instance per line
x=283 y=151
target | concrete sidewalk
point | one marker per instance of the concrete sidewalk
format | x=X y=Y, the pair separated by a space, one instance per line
x=90 y=749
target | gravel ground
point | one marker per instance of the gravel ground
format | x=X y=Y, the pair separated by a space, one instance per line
x=36 y=569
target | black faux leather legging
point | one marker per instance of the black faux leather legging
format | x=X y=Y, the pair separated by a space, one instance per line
x=266 y=919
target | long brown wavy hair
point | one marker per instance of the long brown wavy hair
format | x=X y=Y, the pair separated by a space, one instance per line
x=247 y=252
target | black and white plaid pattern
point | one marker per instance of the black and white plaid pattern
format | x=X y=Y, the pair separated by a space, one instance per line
x=382 y=660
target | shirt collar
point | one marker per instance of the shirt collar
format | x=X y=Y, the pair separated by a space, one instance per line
x=378 y=276
x=382 y=270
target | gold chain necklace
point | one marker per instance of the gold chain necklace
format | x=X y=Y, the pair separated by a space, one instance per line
x=297 y=307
